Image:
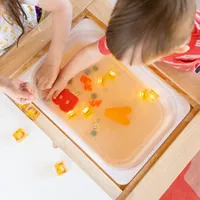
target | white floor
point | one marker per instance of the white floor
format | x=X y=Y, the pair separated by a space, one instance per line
x=27 y=169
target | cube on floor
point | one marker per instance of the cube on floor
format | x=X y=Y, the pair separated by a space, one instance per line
x=60 y=168
x=20 y=135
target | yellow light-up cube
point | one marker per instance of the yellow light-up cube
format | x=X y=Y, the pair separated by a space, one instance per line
x=60 y=168
x=32 y=113
x=20 y=135
x=23 y=107
x=153 y=95
x=87 y=112
x=144 y=94
x=71 y=114
x=101 y=81
x=111 y=75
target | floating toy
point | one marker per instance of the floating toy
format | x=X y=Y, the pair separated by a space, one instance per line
x=93 y=133
x=87 y=72
x=87 y=112
x=148 y=95
x=93 y=95
x=95 y=103
x=109 y=76
x=66 y=101
x=71 y=114
x=87 y=83
x=118 y=115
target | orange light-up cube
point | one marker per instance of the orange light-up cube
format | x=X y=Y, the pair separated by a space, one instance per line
x=20 y=135
x=32 y=113
x=60 y=168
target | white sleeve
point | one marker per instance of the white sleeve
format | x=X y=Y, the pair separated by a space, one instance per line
x=31 y=2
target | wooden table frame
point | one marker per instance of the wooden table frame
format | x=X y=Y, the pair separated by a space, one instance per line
x=36 y=43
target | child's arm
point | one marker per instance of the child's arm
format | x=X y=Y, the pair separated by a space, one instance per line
x=19 y=91
x=86 y=57
x=61 y=18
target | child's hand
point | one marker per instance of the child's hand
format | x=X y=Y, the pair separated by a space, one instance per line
x=19 y=91
x=57 y=88
x=46 y=76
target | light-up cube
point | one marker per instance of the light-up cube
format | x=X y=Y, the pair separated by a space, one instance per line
x=60 y=168
x=111 y=75
x=87 y=112
x=153 y=95
x=144 y=94
x=32 y=113
x=20 y=135
x=23 y=107
x=71 y=114
x=101 y=80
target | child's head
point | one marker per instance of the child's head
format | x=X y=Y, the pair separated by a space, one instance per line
x=143 y=31
x=14 y=9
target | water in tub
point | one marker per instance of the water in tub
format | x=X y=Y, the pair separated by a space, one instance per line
x=117 y=122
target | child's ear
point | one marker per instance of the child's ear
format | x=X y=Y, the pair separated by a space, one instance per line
x=182 y=49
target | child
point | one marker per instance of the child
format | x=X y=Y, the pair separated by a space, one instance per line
x=142 y=32
x=19 y=17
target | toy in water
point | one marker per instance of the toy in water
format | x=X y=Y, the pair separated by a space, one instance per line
x=88 y=72
x=87 y=83
x=101 y=81
x=148 y=95
x=93 y=95
x=93 y=133
x=87 y=112
x=20 y=135
x=66 y=101
x=32 y=113
x=60 y=168
x=95 y=103
x=95 y=68
x=71 y=114
x=109 y=76
x=118 y=115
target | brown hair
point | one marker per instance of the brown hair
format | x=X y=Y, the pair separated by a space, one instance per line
x=16 y=12
x=159 y=25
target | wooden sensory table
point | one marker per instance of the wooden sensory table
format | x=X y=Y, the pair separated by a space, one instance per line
x=35 y=44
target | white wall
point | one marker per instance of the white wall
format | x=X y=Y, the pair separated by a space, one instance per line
x=198 y=4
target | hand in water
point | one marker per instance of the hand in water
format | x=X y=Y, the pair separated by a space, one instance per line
x=46 y=76
x=57 y=88
x=19 y=91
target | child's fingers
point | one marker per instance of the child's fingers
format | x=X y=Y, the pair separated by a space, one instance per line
x=22 y=101
x=48 y=86
x=56 y=94
x=25 y=101
x=25 y=95
x=41 y=84
x=50 y=94
x=27 y=87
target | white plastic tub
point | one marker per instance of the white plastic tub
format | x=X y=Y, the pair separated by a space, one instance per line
x=174 y=109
